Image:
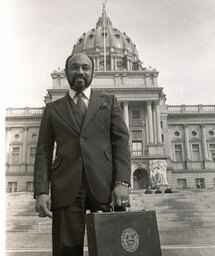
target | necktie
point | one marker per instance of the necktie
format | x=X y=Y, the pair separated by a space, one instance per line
x=80 y=103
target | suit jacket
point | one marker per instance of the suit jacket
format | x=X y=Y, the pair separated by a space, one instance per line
x=100 y=146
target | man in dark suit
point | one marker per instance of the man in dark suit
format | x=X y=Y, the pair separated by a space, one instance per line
x=91 y=169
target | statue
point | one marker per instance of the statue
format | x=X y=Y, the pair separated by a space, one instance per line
x=158 y=173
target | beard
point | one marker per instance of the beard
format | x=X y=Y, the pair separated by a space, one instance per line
x=79 y=83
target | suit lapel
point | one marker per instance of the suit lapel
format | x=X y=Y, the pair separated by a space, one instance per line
x=94 y=104
x=63 y=108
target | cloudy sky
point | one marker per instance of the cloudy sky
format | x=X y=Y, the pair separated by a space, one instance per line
x=175 y=36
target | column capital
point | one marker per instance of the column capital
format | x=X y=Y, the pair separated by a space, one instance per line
x=149 y=102
x=157 y=102
x=185 y=125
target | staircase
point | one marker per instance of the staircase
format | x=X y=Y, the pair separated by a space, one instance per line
x=186 y=223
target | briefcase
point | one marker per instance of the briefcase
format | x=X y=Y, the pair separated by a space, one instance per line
x=123 y=233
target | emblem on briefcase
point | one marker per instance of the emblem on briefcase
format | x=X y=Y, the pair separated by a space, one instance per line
x=130 y=240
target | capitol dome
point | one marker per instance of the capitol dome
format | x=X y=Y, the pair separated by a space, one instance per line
x=106 y=44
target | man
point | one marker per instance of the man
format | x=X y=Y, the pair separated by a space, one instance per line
x=148 y=190
x=158 y=191
x=92 y=163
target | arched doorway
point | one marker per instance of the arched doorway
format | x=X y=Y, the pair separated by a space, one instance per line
x=140 y=179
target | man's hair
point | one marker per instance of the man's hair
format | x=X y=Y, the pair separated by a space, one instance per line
x=67 y=60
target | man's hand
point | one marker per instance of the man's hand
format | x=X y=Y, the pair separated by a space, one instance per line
x=43 y=206
x=120 y=196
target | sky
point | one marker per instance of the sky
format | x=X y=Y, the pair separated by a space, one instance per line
x=177 y=37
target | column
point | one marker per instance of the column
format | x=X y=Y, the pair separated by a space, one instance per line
x=158 y=121
x=97 y=61
x=115 y=63
x=7 y=146
x=186 y=141
x=112 y=63
x=24 y=147
x=147 y=127
x=128 y=65
x=94 y=61
x=154 y=124
x=125 y=113
x=150 y=121
x=204 y=143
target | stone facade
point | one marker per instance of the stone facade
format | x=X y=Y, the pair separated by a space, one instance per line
x=183 y=136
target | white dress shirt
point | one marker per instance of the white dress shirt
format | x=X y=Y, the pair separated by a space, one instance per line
x=86 y=96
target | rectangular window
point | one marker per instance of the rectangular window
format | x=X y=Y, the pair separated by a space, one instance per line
x=15 y=155
x=181 y=183
x=195 y=151
x=161 y=124
x=162 y=137
x=200 y=183
x=178 y=153
x=12 y=187
x=136 y=134
x=32 y=154
x=135 y=113
x=29 y=186
x=212 y=151
x=137 y=148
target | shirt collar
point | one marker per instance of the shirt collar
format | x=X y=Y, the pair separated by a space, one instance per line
x=87 y=92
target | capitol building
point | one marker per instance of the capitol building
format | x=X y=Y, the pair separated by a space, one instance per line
x=183 y=136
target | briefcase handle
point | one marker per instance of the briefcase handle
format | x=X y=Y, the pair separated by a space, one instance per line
x=115 y=208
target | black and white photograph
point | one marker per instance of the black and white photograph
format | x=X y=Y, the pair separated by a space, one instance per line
x=108 y=127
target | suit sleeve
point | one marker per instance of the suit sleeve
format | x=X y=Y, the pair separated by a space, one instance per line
x=44 y=154
x=120 y=145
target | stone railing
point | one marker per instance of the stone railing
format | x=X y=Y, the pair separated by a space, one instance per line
x=23 y=112
x=183 y=109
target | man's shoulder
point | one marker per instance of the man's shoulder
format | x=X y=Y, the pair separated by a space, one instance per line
x=56 y=102
x=104 y=95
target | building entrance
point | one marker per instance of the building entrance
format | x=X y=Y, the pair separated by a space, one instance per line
x=141 y=179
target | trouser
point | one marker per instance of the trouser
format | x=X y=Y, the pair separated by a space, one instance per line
x=68 y=223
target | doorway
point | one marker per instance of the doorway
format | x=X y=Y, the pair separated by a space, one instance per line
x=141 y=179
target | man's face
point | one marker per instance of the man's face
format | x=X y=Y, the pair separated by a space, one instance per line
x=79 y=72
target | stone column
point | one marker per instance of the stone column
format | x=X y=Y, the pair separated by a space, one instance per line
x=112 y=63
x=115 y=63
x=97 y=61
x=158 y=121
x=125 y=113
x=147 y=127
x=7 y=144
x=204 y=143
x=94 y=61
x=24 y=145
x=128 y=66
x=150 y=121
x=154 y=124
x=186 y=141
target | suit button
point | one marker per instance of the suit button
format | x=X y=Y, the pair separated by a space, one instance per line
x=80 y=158
x=82 y=139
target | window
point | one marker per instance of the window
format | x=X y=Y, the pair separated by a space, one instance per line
x=161 y=124
x=15 y=155
x=194 y=133
x=135 y=114
x=29 y=186
x=195 y=151
x=137 y=147
x=200 y=183
x=162 y=137
x=12 y=187
x=214 y=182
x=177 y=133
x=137 y=134
x=212 y=151
x=178 y=153
x=32 y=154
x=181 y=183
